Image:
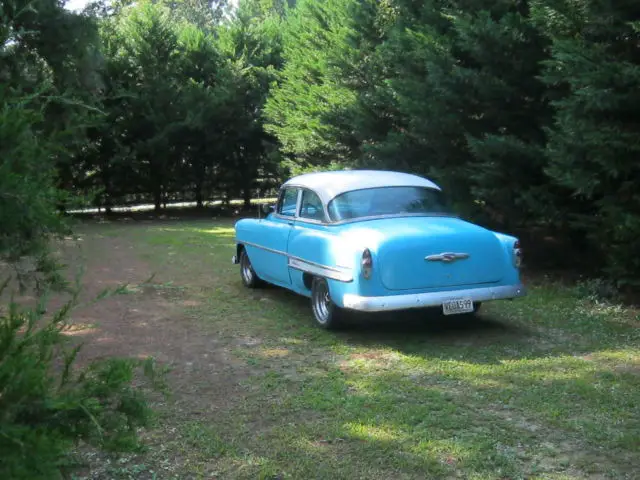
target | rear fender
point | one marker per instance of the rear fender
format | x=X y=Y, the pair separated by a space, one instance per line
x=508 y=242
x=317 y=250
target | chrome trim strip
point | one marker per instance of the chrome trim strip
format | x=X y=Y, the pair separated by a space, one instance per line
x=431 y=299
x=288 y=218
x=309 y=220
x=314 y=264
x=263 y=248
x=341 y=274
x=392 y=215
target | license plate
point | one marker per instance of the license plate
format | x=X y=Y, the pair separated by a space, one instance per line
x=460 y=305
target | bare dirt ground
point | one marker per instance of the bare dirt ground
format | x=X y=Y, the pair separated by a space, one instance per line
x=146 y=315
x=148 y=321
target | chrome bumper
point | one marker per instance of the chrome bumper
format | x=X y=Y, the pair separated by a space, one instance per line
x=431 y=299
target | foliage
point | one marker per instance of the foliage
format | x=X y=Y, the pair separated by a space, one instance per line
x=473 y=103
x=46 y=54
x=593 y=143
x=182 y=101
x=47 y=100
x=253 y=44
x=597 y=290
x=27 y=188
x=309 y=89
x=48 y=404
x=523 y=111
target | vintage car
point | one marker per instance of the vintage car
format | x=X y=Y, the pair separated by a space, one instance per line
x=373 y=241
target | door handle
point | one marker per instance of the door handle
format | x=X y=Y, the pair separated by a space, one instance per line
x=290 y=222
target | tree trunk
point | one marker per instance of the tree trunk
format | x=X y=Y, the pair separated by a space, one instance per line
x=157 y=198
x=247 y=198
x=199 y=202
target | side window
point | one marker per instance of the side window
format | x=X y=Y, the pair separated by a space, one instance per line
x=311 y=206
x=288 y=202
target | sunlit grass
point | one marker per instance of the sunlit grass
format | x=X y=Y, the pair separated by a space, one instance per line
x=543 y=387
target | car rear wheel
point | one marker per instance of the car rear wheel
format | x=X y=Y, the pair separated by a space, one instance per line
x=326 y=313
x=247 y=273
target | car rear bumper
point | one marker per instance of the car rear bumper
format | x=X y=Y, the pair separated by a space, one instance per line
x=431 y=299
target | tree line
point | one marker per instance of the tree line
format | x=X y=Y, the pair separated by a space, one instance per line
x=525 y=111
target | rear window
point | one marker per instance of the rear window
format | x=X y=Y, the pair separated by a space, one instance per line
x=382 y=201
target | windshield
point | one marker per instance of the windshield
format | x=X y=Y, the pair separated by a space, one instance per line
x=387 y=201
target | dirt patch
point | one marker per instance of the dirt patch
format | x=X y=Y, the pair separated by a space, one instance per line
x=145 y=321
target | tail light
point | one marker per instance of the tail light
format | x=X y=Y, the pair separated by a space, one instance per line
x=367 y=264
x=517 y=254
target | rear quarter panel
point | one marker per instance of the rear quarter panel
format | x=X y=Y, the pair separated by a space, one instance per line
x=318 y=250
x=334 y=246
x=512 y=273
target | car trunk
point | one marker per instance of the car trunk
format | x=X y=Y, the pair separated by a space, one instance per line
x=403 y=257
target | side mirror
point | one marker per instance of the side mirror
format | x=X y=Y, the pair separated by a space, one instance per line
x=267 y=209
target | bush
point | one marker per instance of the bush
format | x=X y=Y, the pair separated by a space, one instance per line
x=28 y=195
x=47 y=405
x=597 y=290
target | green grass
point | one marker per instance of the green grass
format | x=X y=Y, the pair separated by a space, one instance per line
x=543 y=387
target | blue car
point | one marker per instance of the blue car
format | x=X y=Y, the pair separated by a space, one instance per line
x=375 y=241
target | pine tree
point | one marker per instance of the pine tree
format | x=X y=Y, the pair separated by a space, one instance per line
x=593 y=147
x=47 y=79
x=470 y=108
x=309 y=93
x=252 y=43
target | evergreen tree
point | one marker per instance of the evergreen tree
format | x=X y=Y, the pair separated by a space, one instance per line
x=593 y=148
x=470 y=109
x=47 y=76
x=309 y=91
x=252 y=42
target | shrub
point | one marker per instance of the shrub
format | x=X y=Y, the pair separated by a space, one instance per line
x=597 y=290
x=48 y=405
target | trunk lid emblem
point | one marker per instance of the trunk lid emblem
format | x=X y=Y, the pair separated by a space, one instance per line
x=447 y=257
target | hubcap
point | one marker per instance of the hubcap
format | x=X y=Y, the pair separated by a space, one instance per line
x=322 y=303
x=247 y=273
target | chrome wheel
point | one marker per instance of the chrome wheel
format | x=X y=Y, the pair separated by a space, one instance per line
x=322 y=303
x=248 y=275
x=325 y=312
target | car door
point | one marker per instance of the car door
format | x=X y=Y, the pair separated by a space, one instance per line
x=271 y=263
x=307 y=246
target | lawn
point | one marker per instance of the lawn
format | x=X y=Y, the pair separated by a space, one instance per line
x=543 y=387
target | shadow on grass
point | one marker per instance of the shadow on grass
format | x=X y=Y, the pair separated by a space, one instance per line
x=414 y=324
x=413 y=392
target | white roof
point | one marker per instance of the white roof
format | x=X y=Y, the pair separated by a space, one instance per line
x=330 y=184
